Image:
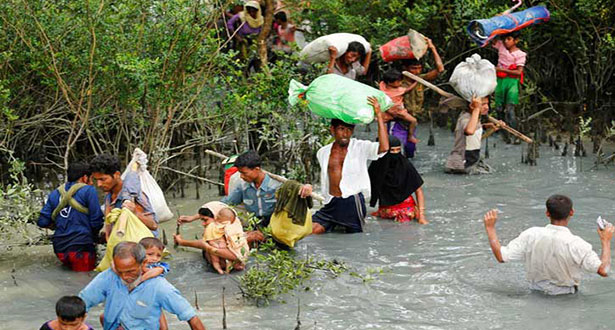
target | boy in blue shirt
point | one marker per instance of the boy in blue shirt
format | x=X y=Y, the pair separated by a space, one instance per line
x=72 y=210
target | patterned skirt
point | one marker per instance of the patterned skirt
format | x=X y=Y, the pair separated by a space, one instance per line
x=402 y=212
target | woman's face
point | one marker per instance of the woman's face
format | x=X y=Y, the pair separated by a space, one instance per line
x=395 y=150
x=351 y=57
x=252 y=11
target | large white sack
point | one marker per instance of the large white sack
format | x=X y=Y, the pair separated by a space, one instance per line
x=474 y=77
x=149 y=185
x=317 y=51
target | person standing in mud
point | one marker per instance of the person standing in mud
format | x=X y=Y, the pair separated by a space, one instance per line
x=344 y=177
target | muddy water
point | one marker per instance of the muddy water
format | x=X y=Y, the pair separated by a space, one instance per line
x=439 y=276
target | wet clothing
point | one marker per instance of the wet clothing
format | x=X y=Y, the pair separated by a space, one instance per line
x=466 y=150
x=355 y=69
x=348 y=213
x=139 y=308
x=131 y=188
x=402 y=212
x=260 y=201
x=290 y=201
x=79 y=261
x=554 y=258
x=74 y=231
x=47 y=326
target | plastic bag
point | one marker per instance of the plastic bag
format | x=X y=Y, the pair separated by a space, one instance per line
x=412 y=45
x=334 y=96
x=474 y=77
x=149 y=186
x=317 y=51
x=285 y=231
x=483 y=30
x=126 y=227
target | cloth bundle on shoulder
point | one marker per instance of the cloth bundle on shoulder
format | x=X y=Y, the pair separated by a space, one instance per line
x=412 y=45
x=317 y=51
x=334 y=96
x=291 y=219
x=474 y=77
x=483 y=30
x=149 y=186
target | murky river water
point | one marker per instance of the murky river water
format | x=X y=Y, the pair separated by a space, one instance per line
x=439 y=276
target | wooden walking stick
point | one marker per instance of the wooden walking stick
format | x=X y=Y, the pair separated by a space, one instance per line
x=455 y=98
x=276 y=177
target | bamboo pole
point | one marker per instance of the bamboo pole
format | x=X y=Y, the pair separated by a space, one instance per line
x=455 y=97
x=276 y=177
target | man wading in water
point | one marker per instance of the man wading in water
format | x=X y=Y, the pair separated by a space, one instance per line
x=345 y=182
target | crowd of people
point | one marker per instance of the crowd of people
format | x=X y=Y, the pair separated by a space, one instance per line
x=134 y=289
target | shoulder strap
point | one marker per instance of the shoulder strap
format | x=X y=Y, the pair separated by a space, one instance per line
x=66 y=198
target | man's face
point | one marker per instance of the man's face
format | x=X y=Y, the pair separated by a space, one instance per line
x=106 y=182
x=342 y=134
x=351 y=57
x=249 y=174
x=70 y=325
x=415 y=69
x=128 y=269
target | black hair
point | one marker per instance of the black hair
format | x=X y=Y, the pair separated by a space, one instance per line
x=338 y=122
x=70 y=308
x=281 y=16
x=514 y=35
x=559 y=207
x=76 y=170
x=410 y=61
x=391 y=76
x=149 y=242
x=105 y=164
x=249 y=159
x=356 y=46
x=206 y=212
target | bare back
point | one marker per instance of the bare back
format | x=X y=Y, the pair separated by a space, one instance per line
x=334 y=169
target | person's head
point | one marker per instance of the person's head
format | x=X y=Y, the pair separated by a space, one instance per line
x=413 y=66
x=205 y=214
x=128 y=262
x=249 y=166
x=510 y=40
x=354 y=52
x=559 y=208
x=79 y=172
x=394 y=145
x=484 y=105
x=252 y=7
x=341 y=131
x=153 y=249
x=392 y=78
x=236 y=8
x=280 y=17
x=106 y=171
x=225 y=215
x=70 y=311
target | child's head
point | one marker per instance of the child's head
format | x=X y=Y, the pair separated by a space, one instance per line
x=511 y=39
x=484 y=105
x=70 y=311
x=153 y=249
x=559 y=207
x=225 y=215
x=392 y=78
x=413 y=66
x=280 y=17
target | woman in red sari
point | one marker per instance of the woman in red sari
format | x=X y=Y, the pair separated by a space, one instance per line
x=393 y=181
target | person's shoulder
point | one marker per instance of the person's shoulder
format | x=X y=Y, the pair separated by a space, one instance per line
x=324 y=149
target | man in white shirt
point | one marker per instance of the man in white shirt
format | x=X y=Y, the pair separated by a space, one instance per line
x=343 y=175
x=554 y=257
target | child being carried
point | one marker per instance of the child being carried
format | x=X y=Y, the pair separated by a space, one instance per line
x=225 y=236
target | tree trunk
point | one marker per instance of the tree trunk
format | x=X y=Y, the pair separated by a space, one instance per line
x=262 y=37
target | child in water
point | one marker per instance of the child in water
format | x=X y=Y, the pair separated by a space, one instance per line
x=70 y=312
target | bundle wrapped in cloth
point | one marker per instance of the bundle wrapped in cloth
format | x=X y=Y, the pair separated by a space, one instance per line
x=474 y=77
x=483 y=30
x=333 y=96
x=317 y=51
x=410 y=46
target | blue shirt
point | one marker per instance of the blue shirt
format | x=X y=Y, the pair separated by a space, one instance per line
x=165 y=267
x=136 y=310
x=74 y=231
x=259 y=201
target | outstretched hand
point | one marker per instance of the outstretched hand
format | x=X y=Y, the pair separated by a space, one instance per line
x=490 y=218
x=607 y=233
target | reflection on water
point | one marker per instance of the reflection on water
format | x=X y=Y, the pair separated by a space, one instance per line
x=439 y=276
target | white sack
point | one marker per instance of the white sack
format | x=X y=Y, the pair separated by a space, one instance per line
x=317 y=51
x=149 y=185
x=474 y=76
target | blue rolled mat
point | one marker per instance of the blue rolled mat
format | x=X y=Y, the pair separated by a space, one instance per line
x=483 y=30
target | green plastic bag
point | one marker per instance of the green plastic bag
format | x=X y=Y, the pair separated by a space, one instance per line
x=334 y=96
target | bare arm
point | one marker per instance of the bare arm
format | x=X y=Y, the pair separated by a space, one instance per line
x=420 y=204
x=489 y=220
x=433 y=74
x=516 y=72
x=368 y=58
x=383 y=135
x=146 y=218
x=152 y=272
x=186 y=218
x=332 y=57
x=474 y=120
x=196 y=324
x=605 y=257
